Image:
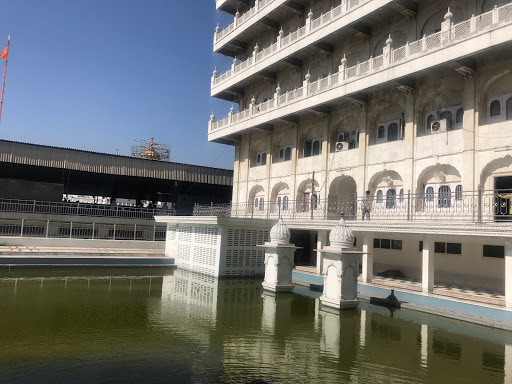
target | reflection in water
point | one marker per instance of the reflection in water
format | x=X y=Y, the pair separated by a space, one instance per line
x=182 y=327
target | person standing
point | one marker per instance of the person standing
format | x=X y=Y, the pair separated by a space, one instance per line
x=366 y=206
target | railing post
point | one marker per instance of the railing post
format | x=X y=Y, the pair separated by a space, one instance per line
x=135 y=232
x=47 y=227
x=408 y=205
x=92 y=236
x=34 y=206
x=472 y=24
x=22 y=225
x=355 y=206
x=277 y=94
x=114 y=233
x=211 y=208
x=495 y=18
x=479 y=218
x=446 y=28
x=424 y=43
x=71 y=230
x=216 y=34
x=387 y=52
x=305 y=84
x=237 y=16
x=154 y=232
x=210 y=123
x=309 y=21
x=407 y=50
x=342 y=69
x=254 y=53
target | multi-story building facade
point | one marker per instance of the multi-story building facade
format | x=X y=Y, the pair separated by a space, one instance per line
x=410 y=100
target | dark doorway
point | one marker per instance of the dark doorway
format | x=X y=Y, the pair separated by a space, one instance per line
x=503 y=198
x=305 y=256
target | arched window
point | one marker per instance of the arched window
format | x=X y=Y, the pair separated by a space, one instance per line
x=447 y=115
x=351 y=144
x=401 y=197
x=390 y=199
x=279 y=202
x=287 y=154
x=429 y=194
x=458 y=192
x=341 y=137
x=429 y=122
x=258 y=159
x=509 y=109
x=264 y=158
x=256 y=203
x=381 y=132
x=281 y=153
x=459 y=116
x=285 y=203
x=316 y=147
x=393 y=132
x=262 y=204
x=495 y=108
x=379 y=196
x=444 y=197
x=314 y=201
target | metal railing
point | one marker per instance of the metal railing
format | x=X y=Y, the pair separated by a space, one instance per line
x=78 y=230
x=82 y=209
x=477 y=206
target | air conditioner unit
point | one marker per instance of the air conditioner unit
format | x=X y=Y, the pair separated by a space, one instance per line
x=438 y=126
x=341 y=146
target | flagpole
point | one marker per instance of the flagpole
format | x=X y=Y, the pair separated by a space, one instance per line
x=3 y=83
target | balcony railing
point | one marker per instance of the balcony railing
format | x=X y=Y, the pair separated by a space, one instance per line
x=478 y=206
x=241 y=19
x=82 y=209
x=77 y=230
x=312 y=25
x=450 y=33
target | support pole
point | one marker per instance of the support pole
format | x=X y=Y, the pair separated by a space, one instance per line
x=5 y=71
x=427 y=266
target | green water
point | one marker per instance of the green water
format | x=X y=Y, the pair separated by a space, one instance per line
x=106 y=326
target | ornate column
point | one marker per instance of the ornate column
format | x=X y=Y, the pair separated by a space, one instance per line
x=279 y=259
x=341 y=269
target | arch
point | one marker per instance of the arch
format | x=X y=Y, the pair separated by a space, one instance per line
x=341 y=198
x=399 y=39
x=279 y=189
x=459 y=116
x=433 y=23
x=493 y=166
x=437 y=170
x=257 y=190
x=390 y=177
x=393 y=132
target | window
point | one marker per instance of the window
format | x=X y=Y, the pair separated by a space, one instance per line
x=262 y=204
x=261 y=158
x=459 y=116
x=308 y=147
x=316 y=148
x=314 y=201
x=393 y=132
x=509 y=109
x=381 y=132
x=351 y=137
x=458 y=192
x=387 y=244
x=390 y=199
x=256 y=203
x=429 y=194
x=287 y=154
x=310 y=201
x=401 y=198
x=446 y=115
x=444 y=197
x=380 y=198
x=452 y=248
x=495 y=108
x=497 y=251
x=429 y=122
x=285 y=203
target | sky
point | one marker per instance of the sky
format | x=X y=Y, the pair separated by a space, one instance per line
x=100 y=74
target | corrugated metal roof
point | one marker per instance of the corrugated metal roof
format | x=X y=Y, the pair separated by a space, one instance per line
x=79 y=160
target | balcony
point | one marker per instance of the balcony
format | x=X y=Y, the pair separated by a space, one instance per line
x=244 y=21
x=467 y=38
x=314 y=29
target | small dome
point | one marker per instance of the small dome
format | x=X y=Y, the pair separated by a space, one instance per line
x=389 y=41
x=341 y=235
x=344 y=60
x=448 y=15
x=280 y=233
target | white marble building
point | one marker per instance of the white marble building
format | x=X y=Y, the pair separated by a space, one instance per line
x=411 y=100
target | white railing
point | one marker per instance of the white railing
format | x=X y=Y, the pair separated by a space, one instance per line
x=451 y=34
x=312 y=25
x=242 y=19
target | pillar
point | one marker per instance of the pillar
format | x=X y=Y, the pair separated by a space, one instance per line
x=508 y=274
x=427 y=266
x=321 y=242
x=367 y=259
x=469 y=133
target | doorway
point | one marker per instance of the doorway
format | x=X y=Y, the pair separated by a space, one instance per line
x=304 y=257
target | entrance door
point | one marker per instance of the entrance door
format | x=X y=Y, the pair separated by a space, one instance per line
x=503 y=198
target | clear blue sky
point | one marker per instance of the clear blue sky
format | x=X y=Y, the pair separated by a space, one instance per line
x=99 y=74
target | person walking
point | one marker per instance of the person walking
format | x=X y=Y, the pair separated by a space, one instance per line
x=366 y=206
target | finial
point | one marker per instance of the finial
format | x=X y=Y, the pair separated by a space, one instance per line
x=217 y=28
x=232 y=109
x=448 y=15
x=256 y=48
x=308 y=76
x=344 y=59
x=253 y=100
x=237 y=14
x=215 y=73
x=278 y=89
x=389 y=41
x=310 y=14
x=281 y=32
x=235 y=60
x=212 y=117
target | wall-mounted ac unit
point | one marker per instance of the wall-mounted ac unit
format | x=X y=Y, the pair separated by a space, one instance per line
x=341 y=146
x=438 y=126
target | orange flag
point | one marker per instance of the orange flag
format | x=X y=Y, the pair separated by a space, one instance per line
x=4 y=53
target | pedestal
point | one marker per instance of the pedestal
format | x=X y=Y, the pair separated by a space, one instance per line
x=278 y=267
x=340 y=271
